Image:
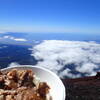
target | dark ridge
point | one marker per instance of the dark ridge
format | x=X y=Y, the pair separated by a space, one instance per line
x=86 y=88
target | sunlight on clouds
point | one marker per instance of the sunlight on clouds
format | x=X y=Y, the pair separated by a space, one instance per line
x=57 y=54
x=19 y=39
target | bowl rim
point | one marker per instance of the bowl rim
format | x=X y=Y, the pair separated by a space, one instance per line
x=47 y=70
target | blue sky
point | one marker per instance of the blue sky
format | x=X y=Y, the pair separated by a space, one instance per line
x=75 y=16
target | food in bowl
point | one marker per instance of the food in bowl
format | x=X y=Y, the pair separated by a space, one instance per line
x=19 y=84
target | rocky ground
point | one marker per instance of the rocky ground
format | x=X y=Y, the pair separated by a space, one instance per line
x=87 y=88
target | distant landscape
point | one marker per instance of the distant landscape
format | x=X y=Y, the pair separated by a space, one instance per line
x=65 y=55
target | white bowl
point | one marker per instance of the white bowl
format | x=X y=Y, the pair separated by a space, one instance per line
x=57 y=90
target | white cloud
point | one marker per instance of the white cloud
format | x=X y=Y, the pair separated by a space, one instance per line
x=56 y=54
x=13 y=64
x=20 y=39
x=68 y=73
x=8 y=37
x=87 y=68
x=13 y=38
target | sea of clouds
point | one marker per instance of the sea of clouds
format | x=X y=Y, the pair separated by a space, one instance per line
x=67 y=58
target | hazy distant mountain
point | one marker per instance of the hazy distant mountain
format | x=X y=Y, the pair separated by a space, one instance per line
x=14 y=34
x=31 y=38
x=15 y=38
